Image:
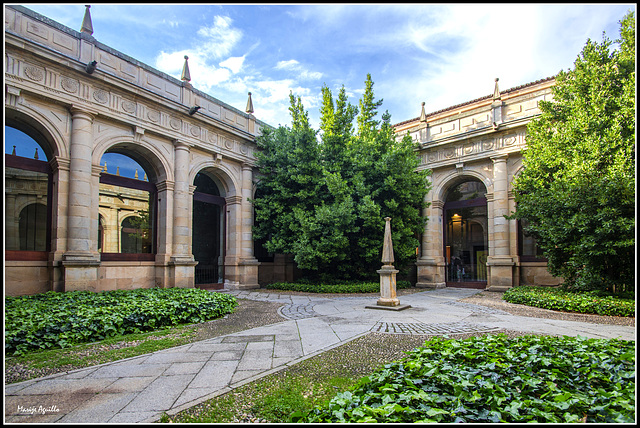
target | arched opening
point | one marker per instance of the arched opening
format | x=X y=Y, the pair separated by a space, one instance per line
x=28 y=185
x=128 y=206
x=466 y=235
x=208 y=240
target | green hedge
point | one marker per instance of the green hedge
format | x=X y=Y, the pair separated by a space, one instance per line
x=494 y=379
x=339 y=287
x=569 y=301
x=58 y=320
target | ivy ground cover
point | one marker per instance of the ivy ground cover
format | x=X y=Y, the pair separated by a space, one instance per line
x=569 y=301
x=59 y=320
x=493 y=379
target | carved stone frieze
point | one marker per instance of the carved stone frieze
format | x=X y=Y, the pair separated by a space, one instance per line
x=34 y=73
x=101 y=96
x=69 y=85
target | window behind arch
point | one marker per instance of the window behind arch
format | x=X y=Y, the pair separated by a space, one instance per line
x=127 y=200
x=28 y=184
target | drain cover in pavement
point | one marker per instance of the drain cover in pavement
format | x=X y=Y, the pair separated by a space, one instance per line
x=421 y=328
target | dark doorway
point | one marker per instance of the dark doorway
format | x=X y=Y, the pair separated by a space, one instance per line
x=208 y=233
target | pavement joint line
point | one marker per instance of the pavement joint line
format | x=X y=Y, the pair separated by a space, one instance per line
x=253 y=378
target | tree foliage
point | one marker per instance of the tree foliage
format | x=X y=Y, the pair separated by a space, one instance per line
x=323 y=195
x=577 y=188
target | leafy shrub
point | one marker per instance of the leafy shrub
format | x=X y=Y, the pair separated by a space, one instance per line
x=339 y=287
x=495 y=379
x=568 y=301
x=58 y=320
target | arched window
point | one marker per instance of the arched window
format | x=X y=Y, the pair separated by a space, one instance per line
x=127 y=201
x=28 y=181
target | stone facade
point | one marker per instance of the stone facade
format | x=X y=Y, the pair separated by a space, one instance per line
x=77 y=114
x=479 y=141
x=80 y=99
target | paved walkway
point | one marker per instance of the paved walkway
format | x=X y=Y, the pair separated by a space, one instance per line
x=141 y=389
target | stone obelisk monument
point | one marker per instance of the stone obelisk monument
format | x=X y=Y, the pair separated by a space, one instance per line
x=388 y=298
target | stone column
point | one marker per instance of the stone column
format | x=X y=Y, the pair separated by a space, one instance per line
x=500 y=263
x=81 y=258
x=164 y=234
x=431 y=265
x=249 y=269
x=182 y=259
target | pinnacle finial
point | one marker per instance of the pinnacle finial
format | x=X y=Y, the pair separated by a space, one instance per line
x=87 y=26
x=496 y=91
x=423 y=116
x=186 y=76
x=249 y=108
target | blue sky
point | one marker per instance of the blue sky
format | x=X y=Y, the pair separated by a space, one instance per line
x=442 y=54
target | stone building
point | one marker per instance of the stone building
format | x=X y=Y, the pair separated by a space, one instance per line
x=79 y=99
x=474 y=150
x=71 y=225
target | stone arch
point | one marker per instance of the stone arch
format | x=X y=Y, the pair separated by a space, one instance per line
x=40 y=128
x=454 y=178
x=224 y=177
x=157 y=166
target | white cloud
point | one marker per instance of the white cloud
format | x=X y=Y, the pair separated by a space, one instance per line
x=291 y=64
x=220 y=38
x=301 y=72
x=234 y=63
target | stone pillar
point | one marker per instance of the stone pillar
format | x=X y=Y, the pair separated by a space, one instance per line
x=182 y=260
x=81 y=258
x=164 y=270
x=249 y=270
x=431 y=265
x=500 y=263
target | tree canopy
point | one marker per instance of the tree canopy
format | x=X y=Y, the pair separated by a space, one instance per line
x=323 y=195
x=577 y=188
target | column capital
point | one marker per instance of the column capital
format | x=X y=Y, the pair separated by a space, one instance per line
x=181 y=145
x=78 y=111
x=165 y=186
x=233 y=200
x=499 y=158
x=59 y=163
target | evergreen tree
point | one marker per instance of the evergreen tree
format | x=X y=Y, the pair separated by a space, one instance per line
x=355 y=181
x=578 y=186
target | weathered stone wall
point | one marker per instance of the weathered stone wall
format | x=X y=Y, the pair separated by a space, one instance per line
x=131 y=108
x=482 y=140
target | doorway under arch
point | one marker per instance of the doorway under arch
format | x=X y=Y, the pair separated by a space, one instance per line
x=208 y=240
x=465 y=235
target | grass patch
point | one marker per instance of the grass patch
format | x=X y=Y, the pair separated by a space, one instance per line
x=571 y=301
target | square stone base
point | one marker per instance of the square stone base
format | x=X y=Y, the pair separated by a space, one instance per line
x=388 y=308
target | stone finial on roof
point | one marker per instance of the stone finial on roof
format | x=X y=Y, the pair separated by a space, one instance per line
x=186 y=76
x=496 y=92
x=249 y=108
x=423 y=116
x=87 y=26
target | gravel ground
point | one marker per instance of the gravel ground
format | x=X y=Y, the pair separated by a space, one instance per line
x=493 y=299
